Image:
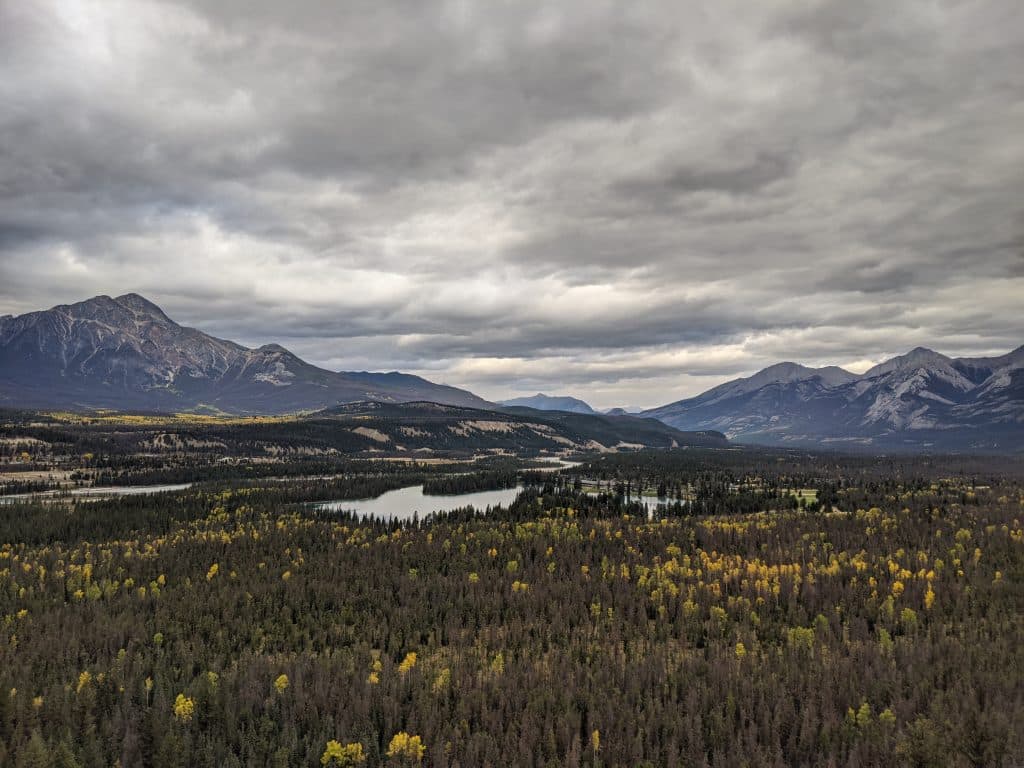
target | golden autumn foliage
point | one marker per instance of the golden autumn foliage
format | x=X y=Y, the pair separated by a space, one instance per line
x=343 y=755
x=408 y=663
x=84 y=681
x=407 y=748
x=184 y=708
x=442 y=681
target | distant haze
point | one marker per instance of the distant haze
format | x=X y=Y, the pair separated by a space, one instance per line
x=627 y=203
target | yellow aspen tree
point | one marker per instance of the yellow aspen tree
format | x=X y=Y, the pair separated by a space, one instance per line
x=442 y=681
x=498 y=664
x=343 y=755
x=184 y=708
x=84 y=680
x=406 y=748
x=407 y=663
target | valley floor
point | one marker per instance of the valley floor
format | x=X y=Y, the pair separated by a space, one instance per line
x=794 y=612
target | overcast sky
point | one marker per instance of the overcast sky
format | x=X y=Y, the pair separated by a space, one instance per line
x=629 y=202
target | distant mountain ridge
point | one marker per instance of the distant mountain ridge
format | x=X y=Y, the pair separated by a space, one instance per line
x=126 y=353
x=419 y=426
x=542 y=402
x=922 y=400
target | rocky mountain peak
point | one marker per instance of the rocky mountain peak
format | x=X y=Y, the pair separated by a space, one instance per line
x=125 y=352
x=786 y=371
x=922 y=399
x=143 y=307
x=272 y=349
x=919 y=357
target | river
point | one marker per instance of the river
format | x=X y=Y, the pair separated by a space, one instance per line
x=105 y=492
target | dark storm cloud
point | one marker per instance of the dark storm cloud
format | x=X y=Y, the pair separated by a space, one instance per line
x=634 y=201
x=746 y=178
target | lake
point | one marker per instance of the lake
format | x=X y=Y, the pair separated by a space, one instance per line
x=403 y=503
x=653 y=504
x=104 y=492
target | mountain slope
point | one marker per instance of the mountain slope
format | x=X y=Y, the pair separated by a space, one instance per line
x=126 y=353
x=921 y=400
x=430 y=426
x=543 y=402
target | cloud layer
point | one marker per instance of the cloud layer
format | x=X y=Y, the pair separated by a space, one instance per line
x=628 y=202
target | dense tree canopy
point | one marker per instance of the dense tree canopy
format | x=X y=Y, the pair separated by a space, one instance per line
x=877 y=623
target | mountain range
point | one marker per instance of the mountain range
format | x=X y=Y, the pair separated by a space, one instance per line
x=543 y=402
x=919 y=401
x=126 y=353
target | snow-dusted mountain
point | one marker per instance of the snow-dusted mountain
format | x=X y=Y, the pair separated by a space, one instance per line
x=921 y=400
x=126 y=353
x=542 y=402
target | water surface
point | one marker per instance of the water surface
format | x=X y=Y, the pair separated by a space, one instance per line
x=102 y=492
x=404 y=503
